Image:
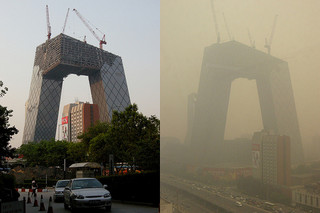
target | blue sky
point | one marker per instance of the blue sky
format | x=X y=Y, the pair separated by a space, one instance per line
x=132 y=30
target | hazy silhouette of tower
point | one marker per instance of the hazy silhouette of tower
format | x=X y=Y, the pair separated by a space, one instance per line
x=225 y=62
x=55 y=60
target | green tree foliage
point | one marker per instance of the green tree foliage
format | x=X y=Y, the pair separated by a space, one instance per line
x=52 y=153
x=4 y=90
x=76 y=153
x=44 y=153
x=92 y=132
x=6 y=132
x=131 y=137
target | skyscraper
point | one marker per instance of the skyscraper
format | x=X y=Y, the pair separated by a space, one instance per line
x=56 y=59
x=224 y=62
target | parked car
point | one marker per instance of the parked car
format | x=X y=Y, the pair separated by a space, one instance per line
x=239 y=204
x=58 y=190
x=86 y=193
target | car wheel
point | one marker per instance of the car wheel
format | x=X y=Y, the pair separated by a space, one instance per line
x=108 y=208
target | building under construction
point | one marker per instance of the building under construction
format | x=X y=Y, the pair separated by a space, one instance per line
x=222 y=64
x=56 y=59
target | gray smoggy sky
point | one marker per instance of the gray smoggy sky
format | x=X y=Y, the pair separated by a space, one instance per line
x=132 y=30
x=187 y=27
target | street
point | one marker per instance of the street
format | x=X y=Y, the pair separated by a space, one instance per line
x=117 y=207
x=186 y=194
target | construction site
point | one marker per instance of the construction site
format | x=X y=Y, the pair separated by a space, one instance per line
x=59 y=57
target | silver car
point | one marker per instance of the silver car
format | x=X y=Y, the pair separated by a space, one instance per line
x=86 y=193
x=58 y=190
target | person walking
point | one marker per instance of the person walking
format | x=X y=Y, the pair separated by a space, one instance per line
x=34 y=187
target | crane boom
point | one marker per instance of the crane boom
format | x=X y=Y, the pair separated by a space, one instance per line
x=215 y=22
x=273 y=27
x=65 y=21
x=48 y=23
x=269 y=42
x=102 y=41
x=225 y=22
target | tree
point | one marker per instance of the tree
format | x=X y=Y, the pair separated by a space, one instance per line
x=76 y=153
x=45 y=153
x=131 y=137
x=6 y=131
x=93 y=131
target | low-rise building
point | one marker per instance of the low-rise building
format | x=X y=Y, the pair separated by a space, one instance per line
x=307 y=197
x=77 y=118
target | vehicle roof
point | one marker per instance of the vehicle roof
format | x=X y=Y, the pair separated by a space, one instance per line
x=83 y=178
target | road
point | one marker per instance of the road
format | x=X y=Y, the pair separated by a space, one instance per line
x=187 y=195
x=205 y=197
x=117 y=207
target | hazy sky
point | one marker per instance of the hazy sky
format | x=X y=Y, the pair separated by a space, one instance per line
x=187 y=27
x=132 y=30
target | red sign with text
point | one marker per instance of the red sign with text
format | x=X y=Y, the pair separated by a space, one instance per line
x=65 y=120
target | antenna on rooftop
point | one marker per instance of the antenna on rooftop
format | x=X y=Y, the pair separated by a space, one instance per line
x=215 y=22
x=269 y=42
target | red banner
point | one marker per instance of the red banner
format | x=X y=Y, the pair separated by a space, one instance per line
x=65 y=120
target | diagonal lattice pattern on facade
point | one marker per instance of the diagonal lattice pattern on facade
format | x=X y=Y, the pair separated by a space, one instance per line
x=55 y=60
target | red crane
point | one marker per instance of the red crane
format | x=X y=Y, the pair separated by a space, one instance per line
x=48 y=23
x=101 y=41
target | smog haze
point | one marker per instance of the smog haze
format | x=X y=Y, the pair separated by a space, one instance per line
x=187 y=28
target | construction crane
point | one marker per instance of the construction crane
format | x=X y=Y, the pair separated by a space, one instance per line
x=250 y=39
x=48 y=23
x=101 y=41
x=225 y=22
x=65 y=21
x=215 y=22
x=269 y=42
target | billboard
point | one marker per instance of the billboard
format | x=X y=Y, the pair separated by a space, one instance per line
x=64 y=127
x=256 y=155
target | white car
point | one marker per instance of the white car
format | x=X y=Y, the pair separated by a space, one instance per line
x=58 y=189
x=239 y=204
x=86 y=193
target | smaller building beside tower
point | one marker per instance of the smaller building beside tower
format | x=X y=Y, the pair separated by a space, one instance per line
x=271 y=158
x=77 y=118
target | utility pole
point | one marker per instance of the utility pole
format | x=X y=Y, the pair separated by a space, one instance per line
x=64 y=168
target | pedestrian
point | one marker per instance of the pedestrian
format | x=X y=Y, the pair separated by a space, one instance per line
x=34 y=187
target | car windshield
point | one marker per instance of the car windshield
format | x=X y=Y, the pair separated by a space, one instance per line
x=86 y=183
x=62 y=183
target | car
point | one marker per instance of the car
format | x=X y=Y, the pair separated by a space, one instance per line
x=86 y=193
x=58 y=190
x=239 y=204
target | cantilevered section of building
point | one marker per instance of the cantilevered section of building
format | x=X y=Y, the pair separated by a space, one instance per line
x=225 y=62
x=56 y=59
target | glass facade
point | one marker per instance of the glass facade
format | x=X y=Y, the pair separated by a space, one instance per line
x=58 y=58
